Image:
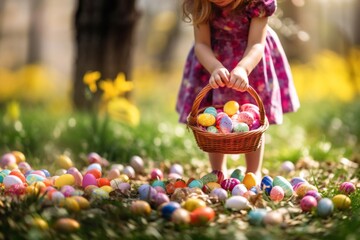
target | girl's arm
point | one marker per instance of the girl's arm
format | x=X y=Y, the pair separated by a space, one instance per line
x=252 y=55
x=219 y=74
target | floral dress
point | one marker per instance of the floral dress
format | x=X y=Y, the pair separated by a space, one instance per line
x=271 y=78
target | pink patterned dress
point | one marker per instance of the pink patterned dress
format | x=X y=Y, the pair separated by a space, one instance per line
x=271 y=78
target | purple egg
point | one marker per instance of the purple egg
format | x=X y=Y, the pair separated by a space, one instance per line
x=347 y=188
x=146 y=192
x=220 y=193
x=226 y=125
x=7 y=159
x=314 y=194
x=67 y=190
x=230 y=183
x=89 y=179
x=239 y=190
x=160 y=198
x=297 y=180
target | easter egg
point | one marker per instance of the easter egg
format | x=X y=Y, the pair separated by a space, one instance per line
x=246 y=106
x=347 y=188
x=83 y=202
x=67 y=190
x=277 y=194
x=325 y=207
x=24 y=167
x=66 y=225
x=237 y=174
x=296 y=180
x=240 y=127
x=103 y=182
x=137 y=163
x=64 y=161
x=39 y=172
x=94 y=167
x=140 y=208
x=239 y=190
x=246 y=117
x=180 y=216
x=18 y=174
x=20 y=157
x=285 y=184
x=219 y=174
x=211 y=110
x=208 y=187
x=249 y=180
x=160 y=198
x=341 y=201
x=3 y=174
x=94 y=157
x=70 y=204
x=219 y=193
x=129 y=171
x=123 y=187
x=266 y=184
x=193 y=203
x=31 y=178
x=254 y=112
x=314 y=194
x=65 y=179
x=180 y=183
x=168 y=209
x=219 y=116
x=206 y=119
x=99 y=193
x=177 y=168
x=156 y=173
x=212 y=129
x=225 y=125
x=113 y=173
x=273 y=218
x=57 y=197
x=231 y=107
x=255 y=125
x=94 y=171
x=230 y=183
x=159 y=183
x=210 y=177
x=237 y=203
x=303 y=188
x=256 y=216
x=307 y=203
x=88 y=179
x=78 y=177
x=202 y=216
x=39 y=223
x=117 y=166
x=146 y=192
x=287 y=167
x=195 y=184
x=7 y=159
x=248 y=194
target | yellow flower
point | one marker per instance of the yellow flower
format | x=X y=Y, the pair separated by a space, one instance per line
x=121 y=109
x=12 y=111
x=90 y=79
x=116 y=88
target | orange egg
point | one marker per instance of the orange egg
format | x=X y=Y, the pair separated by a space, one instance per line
x=18 y=174
x=170 y=188
x=180 y=184
x=202 y=216
x=96 y=172
x=103 y=182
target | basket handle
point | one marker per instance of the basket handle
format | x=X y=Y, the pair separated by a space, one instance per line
x=192 y=119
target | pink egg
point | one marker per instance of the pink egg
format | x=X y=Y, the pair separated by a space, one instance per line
x=246 y=117
x=160 y=198
x=94 y=158
x=39 y=172
x=347 y=188
x=67 y=190
x=220 y=193
x=314 y=194
x=307 y=203
x=246 y=106
x=7 y=159
x=254 y=112
x=277 y=194
x=156 y=174
x=24 y=167
x=230 y=183
x=89 y=179
x=256 y=124
x=113 y=173
x=219 y=116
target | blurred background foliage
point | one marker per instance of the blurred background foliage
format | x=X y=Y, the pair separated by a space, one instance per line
x=37 y=76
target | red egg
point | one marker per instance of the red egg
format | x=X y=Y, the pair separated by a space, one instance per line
x=18 y=174
x=156 y=174
x=202 y=216
x=307 y=203
x=230 y=183
x=219 y=174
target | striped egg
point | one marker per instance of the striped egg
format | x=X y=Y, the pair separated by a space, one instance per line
x=230 y=183
x=266 y=184
x=347 y=188
x=285 y=184
x=237 y=174
x=210 y=177
x=211 y=110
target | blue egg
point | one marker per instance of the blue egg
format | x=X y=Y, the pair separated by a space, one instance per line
x=211 y=110
x=296 y=180
x=226 y=125
x=168 y=209
x=256 y=216
x=46 y=172
x=195 y=184
x=158 y=183
x=266 y=184
x=146 y=192
x=325 y=207
x=3 y=174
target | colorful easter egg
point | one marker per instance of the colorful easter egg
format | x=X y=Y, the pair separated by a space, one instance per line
x=341 y=201
x=103 y=182
x=88 y=179
x=287 y=167
x=39 y=172
x=158 y=183
x=266 y=184
x=246 y=117
x=168 y=208
x=113 y=173
x=19 y=174
x=146 y=192
x=83 y=202
x=40 y=223
x=277 y=194
x=195 y=184
x=239 y=190
x=20 y=157
x=219 y=193
x=201 y=216
x=118 y=166
x=180 y=216
x=129 y=171
x=219 y=116
x=3 y=174
x=240 y=127
x=177 y=168
x=65 y=179
x=193 y=203
x=66 y=225
x=70 y=204
x=64 y=161
x=307 y=203
x=99 y=193
x=231 y=107
x=325 y=207
x=156 y=173
x=31 y=178
x=237 y=174
x=94 y=166
x=160 y=198
x=11 y=180
x=229 y=184
x=296 y=180
x=246 y=106
x=208 y=187
x=7 y=159
x=137 y=163
x=254 y=112
x=314 y=194
x=347 y=188
x=94 y=157
x=249 y=180
x=57 y=197
x=212 y=129
x=237 y=203
x=303 y=188
x=206 y=119
x=219 y=174
x=67 y=190
x=255 y=125
x=77 y=176
x=211 y=110
x=285 y=184
x=226 y=125
x=24 y=167
x=256 y=216
x=210 y=177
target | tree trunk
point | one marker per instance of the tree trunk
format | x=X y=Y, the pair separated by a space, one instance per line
x=104 y=35
x=34 y=46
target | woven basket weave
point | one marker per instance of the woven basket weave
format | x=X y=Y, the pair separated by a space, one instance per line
x=229 y=143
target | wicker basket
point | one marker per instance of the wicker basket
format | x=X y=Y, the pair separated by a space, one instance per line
x=230 y=143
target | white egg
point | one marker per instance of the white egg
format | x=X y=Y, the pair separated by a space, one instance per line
x=129 y=171
x=10 y=180
x=137 y=163
x=237 y=203
x=177 y=168
x=239 y=190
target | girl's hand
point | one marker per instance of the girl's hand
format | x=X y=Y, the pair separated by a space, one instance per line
x=219 y=77
x=238 y=79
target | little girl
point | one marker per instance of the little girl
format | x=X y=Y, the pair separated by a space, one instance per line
x=234 y=48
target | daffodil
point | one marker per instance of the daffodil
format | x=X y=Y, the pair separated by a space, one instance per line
x=123 y=110
x=116 y=88
x=12 y=111
x=90 y=79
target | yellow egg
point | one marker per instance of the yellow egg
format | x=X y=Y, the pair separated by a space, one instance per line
x=341 y=201
x=65 y=179
x=249 y=180
x=66 y=225
x=83 y=202
x=304 y=188
x=70 y=204
x=140 y=207
x=32 y=190
x=231 y=107
x=123 y=178
x=107 y=188
x=64 y=161
x=193 y=203
x=206 y=119
x=20 y=157
x=40 y=223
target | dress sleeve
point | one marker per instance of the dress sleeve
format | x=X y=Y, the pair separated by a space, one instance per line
x=261 y=8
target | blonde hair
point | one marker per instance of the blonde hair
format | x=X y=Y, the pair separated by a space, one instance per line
x=200 y=11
